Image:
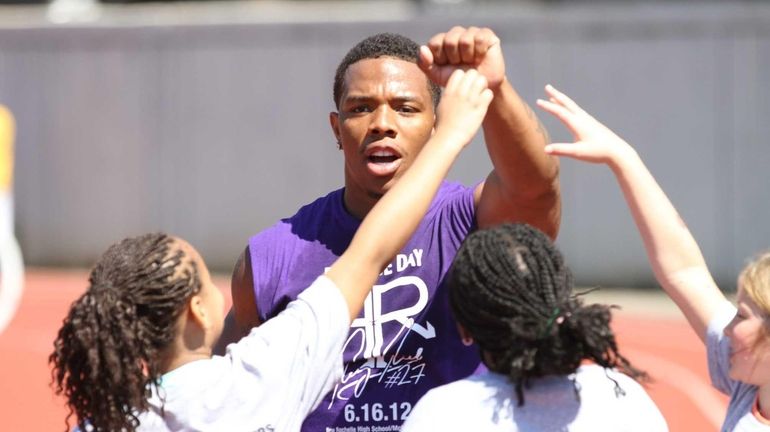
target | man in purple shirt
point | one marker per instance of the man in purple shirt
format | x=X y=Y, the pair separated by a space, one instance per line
x=405 y=342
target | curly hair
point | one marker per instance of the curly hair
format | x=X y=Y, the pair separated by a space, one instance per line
x=511 y=290
x=107 y=353
x=381 y=45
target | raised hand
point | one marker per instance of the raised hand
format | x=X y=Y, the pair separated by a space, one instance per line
x=594 y=142
x=463 y=48
x=463 y=106
x=673 y=253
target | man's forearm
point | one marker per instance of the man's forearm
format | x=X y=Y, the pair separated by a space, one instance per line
x=515 y=140
x=525 y=179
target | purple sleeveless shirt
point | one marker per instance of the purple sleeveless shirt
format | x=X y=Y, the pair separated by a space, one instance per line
x=405 y=341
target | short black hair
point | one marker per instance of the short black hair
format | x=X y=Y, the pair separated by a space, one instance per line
x=381 y=45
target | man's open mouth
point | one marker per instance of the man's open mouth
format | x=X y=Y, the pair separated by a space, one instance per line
x=383 y=157
x=383 y=161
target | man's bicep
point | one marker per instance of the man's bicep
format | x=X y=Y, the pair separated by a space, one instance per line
x=245 y=314
x=230 y=334
x=495 y=206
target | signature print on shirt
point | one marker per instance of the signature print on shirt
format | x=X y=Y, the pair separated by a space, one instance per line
x=378 y=337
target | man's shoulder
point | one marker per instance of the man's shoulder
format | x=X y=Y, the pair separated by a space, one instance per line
x=320 y=207
x=454 y=201
x=309 y=217
x=452 y=191
x=449 y=187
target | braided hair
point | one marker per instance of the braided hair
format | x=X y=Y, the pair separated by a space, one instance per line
x=108 y=351
x=511 y=290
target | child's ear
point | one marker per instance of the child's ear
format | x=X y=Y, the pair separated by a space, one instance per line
x=198 y=312
x=465 y=335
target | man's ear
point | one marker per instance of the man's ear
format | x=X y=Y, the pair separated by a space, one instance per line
x=435 y=118
x=334 y=121
x=198 y=312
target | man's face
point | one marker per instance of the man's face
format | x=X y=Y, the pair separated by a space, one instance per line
x=385 y=118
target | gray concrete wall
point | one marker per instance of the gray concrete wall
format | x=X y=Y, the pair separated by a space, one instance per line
x=214 y=130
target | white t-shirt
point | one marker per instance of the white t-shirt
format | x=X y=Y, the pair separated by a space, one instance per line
x=739 y=416
x=268 y=381
x=487 y=402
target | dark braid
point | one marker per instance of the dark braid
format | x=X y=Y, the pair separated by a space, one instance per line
x=510 y=288
x=377 y=46
x=107 y=353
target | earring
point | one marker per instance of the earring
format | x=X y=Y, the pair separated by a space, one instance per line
x=467 y=341
x=339 y=145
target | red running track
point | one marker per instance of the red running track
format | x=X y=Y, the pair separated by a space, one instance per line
x=666 y=348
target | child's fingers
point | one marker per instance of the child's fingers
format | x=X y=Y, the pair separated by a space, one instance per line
x=564 y=149
x=486 y=97
x=479 y=84
x=561 y=113
x=454 y=79
x=466 y=85
x=555 y=109
x=562 y=99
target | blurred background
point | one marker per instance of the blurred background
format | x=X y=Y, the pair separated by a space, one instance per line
x=209 y=119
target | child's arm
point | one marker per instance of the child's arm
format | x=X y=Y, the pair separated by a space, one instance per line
x=392 y=221
x=673 y=253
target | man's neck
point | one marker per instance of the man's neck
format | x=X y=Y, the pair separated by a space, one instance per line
x=358 y=205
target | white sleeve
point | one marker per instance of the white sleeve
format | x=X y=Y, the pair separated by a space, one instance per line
x=718 y=348
x=301 y=347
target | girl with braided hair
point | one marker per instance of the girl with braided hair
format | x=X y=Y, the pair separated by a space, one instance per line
x=553 y=361
x=737 y=339
x=135 y=351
